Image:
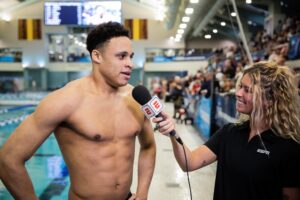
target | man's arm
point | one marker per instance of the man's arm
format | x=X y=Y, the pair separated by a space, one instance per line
x=146 y=161
x=24 y=141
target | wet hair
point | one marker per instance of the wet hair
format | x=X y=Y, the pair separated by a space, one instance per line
x=275 y=99
x=102 y=33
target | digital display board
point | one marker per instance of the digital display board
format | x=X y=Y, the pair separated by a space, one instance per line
x=87 y=13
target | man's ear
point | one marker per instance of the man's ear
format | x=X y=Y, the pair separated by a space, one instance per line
x=96 y=56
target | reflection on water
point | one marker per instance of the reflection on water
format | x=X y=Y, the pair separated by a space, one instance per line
x=56 y=167
x=46 y=167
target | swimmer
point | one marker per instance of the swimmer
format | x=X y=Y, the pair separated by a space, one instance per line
x=96 y=122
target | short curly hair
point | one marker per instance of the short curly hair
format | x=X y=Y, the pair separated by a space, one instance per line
x=102 y=33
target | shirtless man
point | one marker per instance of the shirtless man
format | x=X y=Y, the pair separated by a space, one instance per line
x=95 y=121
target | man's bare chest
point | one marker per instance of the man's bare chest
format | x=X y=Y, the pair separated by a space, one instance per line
x=105 y=121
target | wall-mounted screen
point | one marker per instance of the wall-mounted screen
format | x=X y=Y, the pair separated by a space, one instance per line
x=86 y=13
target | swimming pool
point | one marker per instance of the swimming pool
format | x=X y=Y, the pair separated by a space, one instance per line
x=46 y=167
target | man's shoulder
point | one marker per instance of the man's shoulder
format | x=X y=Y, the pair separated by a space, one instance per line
x=128 y=87
x=70 y=90
x=76 y=84
x=126 y=90
x=69 y=95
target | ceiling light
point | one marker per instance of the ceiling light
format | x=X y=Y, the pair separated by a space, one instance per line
x=207 y=36
x=194 y=1
x=183 y=26
x=215 y=30
x=248 y=1
x=6 y=17
x=178 y=36
x=160 y=16
x=180 y=31
x=223 y=23
x=189 y=11
x=233 y=14
x=185 y=19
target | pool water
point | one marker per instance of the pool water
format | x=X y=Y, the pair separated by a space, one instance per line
x=46 y=167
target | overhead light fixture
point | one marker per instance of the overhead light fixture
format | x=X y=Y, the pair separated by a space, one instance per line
x=185 y=19
x=6 y=17
x=182 y=25
x=177 y=39
x=233 y=14
x=223 y=23
x=178 y=36
x=215 y=30
x=207 y=36
x=189 y=11
x=180 y=31
x=248 y=1
x=194 y=1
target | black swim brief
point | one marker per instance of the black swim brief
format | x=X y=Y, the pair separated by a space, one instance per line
x=128 y=196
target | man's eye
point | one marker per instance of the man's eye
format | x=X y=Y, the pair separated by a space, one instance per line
x=122 y=56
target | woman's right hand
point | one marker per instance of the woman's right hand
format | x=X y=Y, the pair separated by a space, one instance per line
x=164 y=124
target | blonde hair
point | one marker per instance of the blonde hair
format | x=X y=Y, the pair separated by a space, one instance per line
x=275 y=99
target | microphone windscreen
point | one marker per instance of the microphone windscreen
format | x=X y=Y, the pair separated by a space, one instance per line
x=141 y=94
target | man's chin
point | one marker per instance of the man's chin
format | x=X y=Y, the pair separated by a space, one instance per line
x=122 y=84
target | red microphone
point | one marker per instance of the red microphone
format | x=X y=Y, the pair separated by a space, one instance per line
x=151 y=107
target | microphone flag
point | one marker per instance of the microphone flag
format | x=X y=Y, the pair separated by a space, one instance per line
x=153 y=107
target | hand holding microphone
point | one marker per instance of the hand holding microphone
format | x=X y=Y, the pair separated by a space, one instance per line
x=152 y=107
x=165 y=123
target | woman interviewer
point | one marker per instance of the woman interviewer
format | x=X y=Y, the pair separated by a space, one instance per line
x=259 y=156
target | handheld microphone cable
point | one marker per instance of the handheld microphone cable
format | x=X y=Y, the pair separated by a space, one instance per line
x=186 y=167
x=142 y=96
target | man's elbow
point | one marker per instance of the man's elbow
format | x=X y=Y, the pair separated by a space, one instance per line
x=149 y=150
x=149 y=146
x=9 y=163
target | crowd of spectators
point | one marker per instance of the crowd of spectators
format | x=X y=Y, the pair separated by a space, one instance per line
x=225 y=67
x=275 y=45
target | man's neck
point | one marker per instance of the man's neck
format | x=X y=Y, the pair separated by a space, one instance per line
x=100 y=85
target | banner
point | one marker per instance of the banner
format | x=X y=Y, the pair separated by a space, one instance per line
x=29 y=29
x=137 y=28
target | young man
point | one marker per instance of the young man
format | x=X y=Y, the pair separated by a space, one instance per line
x=95 y=121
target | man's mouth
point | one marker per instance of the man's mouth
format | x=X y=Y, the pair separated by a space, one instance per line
x=127 y=74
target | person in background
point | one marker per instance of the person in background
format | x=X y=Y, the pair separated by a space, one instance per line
x=95 y=121
x=177 y=95
x=259 y=156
